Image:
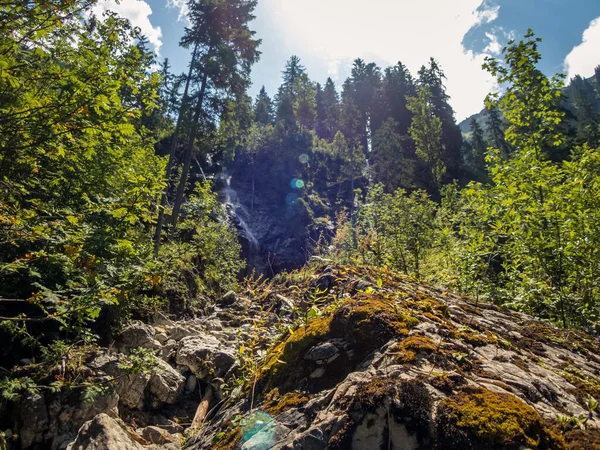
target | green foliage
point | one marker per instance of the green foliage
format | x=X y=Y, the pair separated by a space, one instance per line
x=139 y=361
x=426 y=131
x=81 y=111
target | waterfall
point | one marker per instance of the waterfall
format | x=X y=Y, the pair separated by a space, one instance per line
x=238 y=215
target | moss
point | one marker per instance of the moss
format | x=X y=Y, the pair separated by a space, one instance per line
x=520 y=363
x=230 y=439
x=414 y=407
x=365 y=322
x=583 y=439
x=276 y=404
x=343 y=438
x=371 y=395
x=479 y=418
x=585 y=386
x=412 y=346
x=476 y=339
x=447 y=382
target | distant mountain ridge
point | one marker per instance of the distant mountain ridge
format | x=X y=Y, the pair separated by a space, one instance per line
x=568 y=104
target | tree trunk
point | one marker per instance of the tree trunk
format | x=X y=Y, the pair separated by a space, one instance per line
x=190 y=147
x=165 y=194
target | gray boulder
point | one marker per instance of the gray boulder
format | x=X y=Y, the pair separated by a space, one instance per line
x=137 y=335
x=102 y=433
x=166 y=384
x=204 y=355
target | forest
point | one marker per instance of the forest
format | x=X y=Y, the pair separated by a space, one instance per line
x=128 y=189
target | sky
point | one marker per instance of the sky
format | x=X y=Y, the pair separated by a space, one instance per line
x=329 y=34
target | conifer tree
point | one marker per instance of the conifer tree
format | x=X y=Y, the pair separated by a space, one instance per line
x=426 y=131
x=328 y=110
x=478 y=145
x=361 y=88
x=263 y=108
x=433 y=77
x=495 y=129
x=397 y=84
x=226 y=52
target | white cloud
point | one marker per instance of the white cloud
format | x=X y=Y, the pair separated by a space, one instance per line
x=487 y=14
x=328 y=33
x=583 y=59
x=138 y=12
x=494 y=47
x=182 y=6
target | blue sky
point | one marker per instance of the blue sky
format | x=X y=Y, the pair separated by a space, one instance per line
x=329 y=34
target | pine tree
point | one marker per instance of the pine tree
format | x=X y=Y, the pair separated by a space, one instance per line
x=227 y=51
x=478 y=146
x=597 y=79
x=495 y=129
x=433 y=77
x=426 y=131
x=396 y=86
x=328 y=110
x=389 y=163
x=352 y=160
x=263 y=108
x=305 y=103
x=292 y=74
x=361 y=87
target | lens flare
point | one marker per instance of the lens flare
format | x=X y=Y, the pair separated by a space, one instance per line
x=296 y=184
x=259 y=427
x=303 y=158
x=291 y=199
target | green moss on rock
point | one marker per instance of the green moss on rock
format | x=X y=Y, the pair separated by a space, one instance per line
x=477 y=418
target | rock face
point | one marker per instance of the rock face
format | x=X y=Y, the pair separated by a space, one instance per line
x=408 y=366
x=386 y=363
x=103 y=433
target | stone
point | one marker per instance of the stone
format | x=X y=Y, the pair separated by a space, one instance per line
x=228 y=299
x=137 y=335
x=131 y=388
x=325 y=352
x=104 y=433
x=162 y=338
x=204 y=355
x=191 y=383
x=159 y=436
x=35 y=420
x=166 y=384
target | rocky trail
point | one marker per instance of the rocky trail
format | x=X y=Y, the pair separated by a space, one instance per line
x=331 y=357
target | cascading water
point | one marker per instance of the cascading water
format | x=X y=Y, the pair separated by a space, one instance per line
x=238 y=215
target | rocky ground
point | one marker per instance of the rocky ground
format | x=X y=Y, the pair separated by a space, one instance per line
x=334 y=357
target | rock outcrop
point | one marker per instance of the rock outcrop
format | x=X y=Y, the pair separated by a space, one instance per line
x=338 y=358
x=389 y=363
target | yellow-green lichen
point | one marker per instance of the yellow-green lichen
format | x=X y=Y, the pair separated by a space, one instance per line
x=276 y=404
x=364 y=323
x=478 y=418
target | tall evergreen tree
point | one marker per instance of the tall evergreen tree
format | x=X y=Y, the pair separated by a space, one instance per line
x=227 y=52
x=426 y=131
x=495 y=128
x=396 y=86
x=433 y=77
x=328 y=110
x=478 y=146
x=292 y=74
x=361 y=87
x=263 y=108
x=389 y=163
